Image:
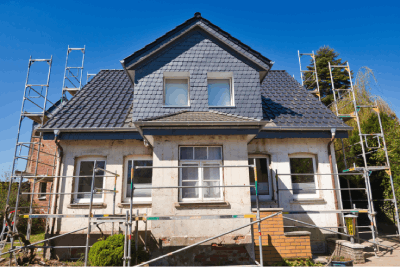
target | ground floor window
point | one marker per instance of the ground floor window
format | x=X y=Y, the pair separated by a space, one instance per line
x=84 y=181
x=303 y=185
x=42 y=191
x=141 y=178
x=263 y=178
x=201 y=167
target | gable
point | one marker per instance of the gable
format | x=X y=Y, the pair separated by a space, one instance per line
x=196 y=21
x=196 y=53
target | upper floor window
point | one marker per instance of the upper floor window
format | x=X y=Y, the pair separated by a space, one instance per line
x=220 y=89
x=202 y=169
x=141 y=178
x=303 y=185
x=176 y=89
x=83 y=183
x=42 y=191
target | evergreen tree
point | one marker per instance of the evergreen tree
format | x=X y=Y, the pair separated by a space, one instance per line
x=341 y=78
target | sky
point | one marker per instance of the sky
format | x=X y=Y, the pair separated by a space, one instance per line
x=365 y=33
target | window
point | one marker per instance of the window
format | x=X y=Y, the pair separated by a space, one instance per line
x=220 y=89
x=263 y=178
x=303 y=185
x=43 y=190
x=202 y=170
x=84 y=182
x=141 y=178
x=176 y=92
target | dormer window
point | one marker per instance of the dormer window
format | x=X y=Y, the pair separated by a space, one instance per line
x=220 y=89
x=176 y=89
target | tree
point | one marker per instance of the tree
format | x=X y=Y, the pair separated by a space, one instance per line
x=324 y=55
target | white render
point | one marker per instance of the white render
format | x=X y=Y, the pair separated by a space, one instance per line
x=165 y=201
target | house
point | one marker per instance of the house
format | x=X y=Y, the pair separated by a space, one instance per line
x=198 y=98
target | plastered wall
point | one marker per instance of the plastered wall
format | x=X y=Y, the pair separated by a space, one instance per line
x=279 y=152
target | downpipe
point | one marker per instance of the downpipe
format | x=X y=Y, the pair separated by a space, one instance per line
x=333 y=132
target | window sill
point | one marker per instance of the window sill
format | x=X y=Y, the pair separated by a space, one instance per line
x=87 y=205
x=308 y=201
x=41 y=198
x=214 y=204
x=166 y=106
x=135 y=204
x=222 y=106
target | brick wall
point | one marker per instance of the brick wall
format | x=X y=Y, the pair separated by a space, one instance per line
x=276 y=244
x=346 y=249
x=49 y=148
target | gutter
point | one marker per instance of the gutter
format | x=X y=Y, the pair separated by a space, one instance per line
x=108 y=129
x=288 y=128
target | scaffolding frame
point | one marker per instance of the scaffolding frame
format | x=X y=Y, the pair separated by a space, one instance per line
x=33 y=107
x=72 y=82
x=366 y=169
x=314 y=87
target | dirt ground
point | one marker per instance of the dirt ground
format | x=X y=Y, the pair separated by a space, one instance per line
x=385 y=257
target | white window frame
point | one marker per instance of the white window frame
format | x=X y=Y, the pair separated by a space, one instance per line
x=297 y=195
x=78 y=167
x=125 y=184
x=223 y=76
x=176 y=76
x=201 y=164
x=269 y=196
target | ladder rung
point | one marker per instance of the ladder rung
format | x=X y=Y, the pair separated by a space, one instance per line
x=70 y=89
x=42 y=85
x=73 y=49
x=307 y=71
x=339 y=66
x=74 y=67
x=39 y=60
x=346 y=89
x=367 y=106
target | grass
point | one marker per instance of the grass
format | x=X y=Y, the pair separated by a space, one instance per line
x=34 y=238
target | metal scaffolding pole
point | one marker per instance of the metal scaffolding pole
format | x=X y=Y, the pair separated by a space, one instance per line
x=90 y=213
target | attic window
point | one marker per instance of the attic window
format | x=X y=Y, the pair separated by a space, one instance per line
x=176 y=89
x=220 y=89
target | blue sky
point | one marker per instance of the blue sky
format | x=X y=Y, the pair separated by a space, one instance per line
x=366 y=33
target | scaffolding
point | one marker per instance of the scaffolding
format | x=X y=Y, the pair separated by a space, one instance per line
x=311 y=82
x=72 y=82
x=131 y=217
x=34 y=107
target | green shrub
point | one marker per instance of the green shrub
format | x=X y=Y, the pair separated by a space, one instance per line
x=109 y=252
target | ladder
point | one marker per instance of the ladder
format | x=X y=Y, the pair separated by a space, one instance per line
x=72 y=82
x=365 y=141
x=313 y=86
x=34 y=103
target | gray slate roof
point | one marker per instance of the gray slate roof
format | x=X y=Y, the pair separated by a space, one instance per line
x=206 y=116
x=288 y=104
x=105 y=102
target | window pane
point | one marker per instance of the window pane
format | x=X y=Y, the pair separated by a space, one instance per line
x=219 y=92
x=186 y=152
x=176 y=92
x=200 y=153
x=211 y=173
x=141 y=178
x=213 y=192
x=43 y=189
x=190 y=192
x=84 y=184
x=214 y=153
x=190 y=173
x=262 y=176
x=304 y=184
